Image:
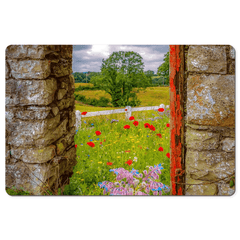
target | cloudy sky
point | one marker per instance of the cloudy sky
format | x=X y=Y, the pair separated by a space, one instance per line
x=89 y=57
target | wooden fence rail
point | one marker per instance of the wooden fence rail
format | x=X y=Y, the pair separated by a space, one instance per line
x=127 y=110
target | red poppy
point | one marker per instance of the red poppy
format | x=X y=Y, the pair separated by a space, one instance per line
x=168 y=155
x=140 y=147
x=126 y=126
x=146 y=125
x=160 y=149
x=152 y=127
x=125 y=109
x=129 y=162
x=159 y=135
x=131 y=118
x=91 y=144
x=128 y=151
x=161 y=109
x=75 y=146
x=83 y=113
x=98 y=133
x=109 y=163
x=101 y=143
x=104 y=140
x=168 y=125
x=135 y=123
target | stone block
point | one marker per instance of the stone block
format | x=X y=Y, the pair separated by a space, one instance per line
x=64 y=85
x=34 y=155
x=64 y=103
x=202 y=140
x=32 y=112
x=52 y=135
x=72 y=119
x=209 y=165
x=66 y=51
x=36 y=177
x=228 y=144
x=232 y=52
x=63 y=68
x=61 y=93
x=7 y=71
x=211 y=100
x=30 y=92
x=29 y=69
x=26 y=51
x=228 y=132
x=207 y=59
x=26 y=133
x=225 y=190
x=200 y=190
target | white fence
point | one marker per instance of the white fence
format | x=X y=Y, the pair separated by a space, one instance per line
x=127 y=110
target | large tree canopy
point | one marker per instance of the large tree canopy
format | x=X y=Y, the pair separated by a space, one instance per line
x=120 y=73
x=163 y=69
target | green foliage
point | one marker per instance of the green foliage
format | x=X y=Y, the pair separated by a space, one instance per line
x=120 y=73
x=163 y=69
x=14 y=191
x=102 y=102
x=81 y=88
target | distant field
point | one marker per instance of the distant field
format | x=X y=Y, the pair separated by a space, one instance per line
x=152 y=96
x=83 y=84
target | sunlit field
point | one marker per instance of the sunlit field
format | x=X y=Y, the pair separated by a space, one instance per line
x=151 y=96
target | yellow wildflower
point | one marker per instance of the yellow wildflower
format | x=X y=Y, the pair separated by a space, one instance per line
x=100 y=162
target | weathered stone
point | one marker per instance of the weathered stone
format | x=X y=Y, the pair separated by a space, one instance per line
x=55 y=110
x=32 y=112
x=228 y=132
x=25 y=132
x=34 y=155
x=208 y=59
x=209 y=101
x=7 y=151
x=232 y=67
x=36 y=177
x=7 y=71
x=200 y=190
x=209 y=165
x=52 y=135
x=62 y=69
x=29 y=69
x=225 y=190
x=72 y=118
x=26 y=51
x=61 y=93
x=202 y=140
x=66 y=51
x=64 y=103
x=232 y=52
x=28 y=92
x=64 y=85
x=228 y=144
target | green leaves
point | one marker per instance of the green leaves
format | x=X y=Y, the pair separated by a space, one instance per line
x=163 y=69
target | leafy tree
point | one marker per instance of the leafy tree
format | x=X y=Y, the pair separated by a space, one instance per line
x=120 y=73
x=163 y=69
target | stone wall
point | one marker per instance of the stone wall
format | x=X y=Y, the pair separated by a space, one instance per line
x=40 y=117
x=210 y=119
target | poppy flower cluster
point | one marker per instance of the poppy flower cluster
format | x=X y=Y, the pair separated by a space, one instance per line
x=160 y=149
x=159 y=135
x=161 y=109
x=129 y=162
x=98 y=133
x=91 y=144
x=135 y=123
x=109 y=163
x=151 y=127
x=168 y=155
x=126 y=126
x=131 y=118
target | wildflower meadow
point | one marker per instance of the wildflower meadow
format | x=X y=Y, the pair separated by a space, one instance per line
x=122 y=157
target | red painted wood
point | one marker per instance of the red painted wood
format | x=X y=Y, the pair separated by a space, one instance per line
x=175 y=121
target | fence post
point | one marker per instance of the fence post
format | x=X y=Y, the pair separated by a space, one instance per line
x=78 y=120
x=128 y=113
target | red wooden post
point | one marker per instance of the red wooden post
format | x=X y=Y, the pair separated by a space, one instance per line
x=176 y=79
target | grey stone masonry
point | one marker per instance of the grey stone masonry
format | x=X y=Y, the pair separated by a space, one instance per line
x=40 y=117
x=210 y=121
